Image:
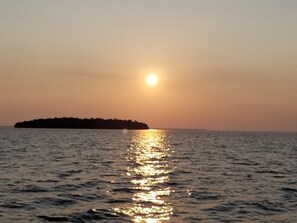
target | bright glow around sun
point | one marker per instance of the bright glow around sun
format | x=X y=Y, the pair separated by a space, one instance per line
x=152 y=80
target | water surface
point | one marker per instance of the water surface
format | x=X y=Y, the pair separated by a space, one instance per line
x=49 y=175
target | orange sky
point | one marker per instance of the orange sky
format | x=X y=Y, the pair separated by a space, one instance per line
x=224 y=65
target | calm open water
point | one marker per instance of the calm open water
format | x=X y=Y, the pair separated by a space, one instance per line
x=49 y=175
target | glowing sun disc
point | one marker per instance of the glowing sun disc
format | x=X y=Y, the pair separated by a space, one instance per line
x=152 y=79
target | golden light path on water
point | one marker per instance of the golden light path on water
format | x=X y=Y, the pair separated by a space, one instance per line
x=149 y=158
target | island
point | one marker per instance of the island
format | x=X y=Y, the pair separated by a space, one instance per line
x=77 y=123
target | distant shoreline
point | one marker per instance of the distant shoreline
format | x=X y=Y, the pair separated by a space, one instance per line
x=77 y=123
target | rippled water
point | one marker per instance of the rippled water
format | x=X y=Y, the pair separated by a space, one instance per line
x=147 y=176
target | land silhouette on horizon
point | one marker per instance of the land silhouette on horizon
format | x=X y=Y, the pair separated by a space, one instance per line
x=77 y=123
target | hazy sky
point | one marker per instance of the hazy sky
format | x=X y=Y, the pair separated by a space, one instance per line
x=227 y=65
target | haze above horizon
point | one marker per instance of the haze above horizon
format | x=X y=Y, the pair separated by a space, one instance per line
x=225 y=65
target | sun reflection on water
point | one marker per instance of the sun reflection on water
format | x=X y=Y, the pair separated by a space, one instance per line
x=149 y=158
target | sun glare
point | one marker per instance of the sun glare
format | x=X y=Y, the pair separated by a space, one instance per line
x=152 y=80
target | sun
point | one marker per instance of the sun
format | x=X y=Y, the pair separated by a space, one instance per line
x=152 y=80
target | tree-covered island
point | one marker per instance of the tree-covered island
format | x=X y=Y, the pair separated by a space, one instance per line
x=76 y=123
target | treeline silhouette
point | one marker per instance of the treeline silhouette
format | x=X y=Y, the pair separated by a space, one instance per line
x=76 y=123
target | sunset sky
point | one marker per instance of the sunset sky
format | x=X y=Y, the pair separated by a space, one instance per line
x=221 y=65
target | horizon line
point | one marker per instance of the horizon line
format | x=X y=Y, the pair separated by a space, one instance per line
x=191 y=129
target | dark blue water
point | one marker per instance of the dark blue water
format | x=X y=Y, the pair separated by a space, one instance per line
x=147 y=176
